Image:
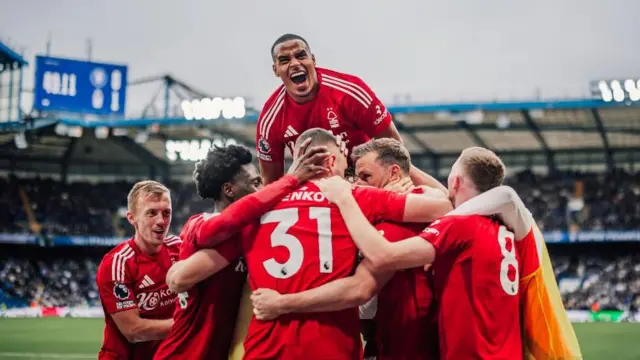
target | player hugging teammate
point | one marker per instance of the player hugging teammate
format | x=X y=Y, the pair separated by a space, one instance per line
x=446 y=283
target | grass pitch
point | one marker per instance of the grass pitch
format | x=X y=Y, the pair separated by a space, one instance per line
x=67 y=338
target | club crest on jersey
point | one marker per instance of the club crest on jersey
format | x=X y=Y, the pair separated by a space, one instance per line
x=121 y=291
x=333 y=118
x=264 y=145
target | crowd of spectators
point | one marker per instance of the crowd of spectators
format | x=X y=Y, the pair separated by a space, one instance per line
x=565 y=201
x=600 y=280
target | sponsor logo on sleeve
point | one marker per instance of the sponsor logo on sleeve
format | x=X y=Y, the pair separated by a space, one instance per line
x=264 y=146
x=432 y=231
x=264 y=157
x=121 y=291
x=125 y=304
x=380 y=115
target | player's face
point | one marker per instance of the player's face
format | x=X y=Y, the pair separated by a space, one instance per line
x=246 y=182
x=369 y=171
x=152 y=218
x=294 y=64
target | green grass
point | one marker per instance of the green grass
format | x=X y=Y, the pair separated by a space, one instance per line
x=66 y=338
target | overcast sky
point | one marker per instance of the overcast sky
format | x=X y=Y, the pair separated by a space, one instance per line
x=440 y=51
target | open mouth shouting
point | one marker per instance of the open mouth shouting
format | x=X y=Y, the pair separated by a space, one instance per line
x=300 y=80
x=298 y=77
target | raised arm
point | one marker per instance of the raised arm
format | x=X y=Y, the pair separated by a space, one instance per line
x=336 y=295
x=244 y=211
x=384 y=256
x=504 y=202
x=251 y=207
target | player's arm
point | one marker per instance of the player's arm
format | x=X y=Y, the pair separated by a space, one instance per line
x=504 y=202
x=251 y=207
x=386 y=205
x=420 y=177
x=270 y=145
x=373 y=117
x=271 y=170
x=136 y=329
x=336 y=295
x=384 y=256
x=116 y=294
x=426 y=207
x=184 y=274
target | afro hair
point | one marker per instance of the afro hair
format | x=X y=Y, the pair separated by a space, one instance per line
x=221 y=165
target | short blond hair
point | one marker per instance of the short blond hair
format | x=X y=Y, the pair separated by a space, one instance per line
x=484 y=167
x=145 y=188
x=388 y=152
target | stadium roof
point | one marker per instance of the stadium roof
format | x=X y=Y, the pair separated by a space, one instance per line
x=9 y=56
x=549 y=133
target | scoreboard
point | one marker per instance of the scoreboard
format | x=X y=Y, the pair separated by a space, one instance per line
x=83 y=87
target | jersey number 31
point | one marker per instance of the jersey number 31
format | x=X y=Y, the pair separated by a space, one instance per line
x=285 y=219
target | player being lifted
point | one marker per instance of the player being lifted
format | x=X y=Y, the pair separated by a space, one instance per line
x=209 y=282
x=476 y=268
x=131 y=278
x=405 y=313
x=314 y=97
x=302 y=244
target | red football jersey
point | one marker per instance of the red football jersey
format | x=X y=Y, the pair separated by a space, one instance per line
x=205 y=316
x=406 y=327
x=344 y=105
x=301 y=244
x=128 y=278
x=476 y=288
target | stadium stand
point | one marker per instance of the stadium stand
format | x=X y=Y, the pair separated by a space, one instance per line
x=611 y=281
x=64 y=180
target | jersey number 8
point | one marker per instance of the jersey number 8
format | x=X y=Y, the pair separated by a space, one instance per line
x=508 y=259
x=285 y=219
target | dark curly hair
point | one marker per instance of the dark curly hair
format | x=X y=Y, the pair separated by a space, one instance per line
x=221 y=165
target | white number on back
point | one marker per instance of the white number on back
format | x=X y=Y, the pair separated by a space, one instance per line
x=286 y=218
x=508 y=259
x=182 y=299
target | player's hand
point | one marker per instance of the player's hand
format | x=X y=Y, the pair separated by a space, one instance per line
x=266 y=304
x=335 y=188
x=401 y=186
x=309 y=163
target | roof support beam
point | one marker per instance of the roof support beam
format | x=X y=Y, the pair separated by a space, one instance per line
x=605 y=141
x=474 y=135
x=536 y=133
x=426 y=149
x=66 y=159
